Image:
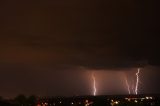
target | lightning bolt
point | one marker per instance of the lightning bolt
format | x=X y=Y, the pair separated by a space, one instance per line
x=94 y=84
x=137 y=81
x=128 y=87
x=133 y=90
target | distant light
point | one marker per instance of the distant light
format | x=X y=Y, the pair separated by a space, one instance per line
x=72 y=103
x=135 y=101
x=86 y=101
x=116 y=102
x=129 y=99
x=113 y=103
x=149 y=97
x=60 y=102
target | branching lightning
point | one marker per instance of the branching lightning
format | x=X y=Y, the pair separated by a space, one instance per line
x=128 y=87
x=94 y=84
x=134 y=85
x=137 y=81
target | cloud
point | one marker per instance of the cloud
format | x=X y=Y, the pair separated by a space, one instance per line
x=95 y=35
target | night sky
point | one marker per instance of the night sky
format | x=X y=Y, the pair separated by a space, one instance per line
x=51 y=47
